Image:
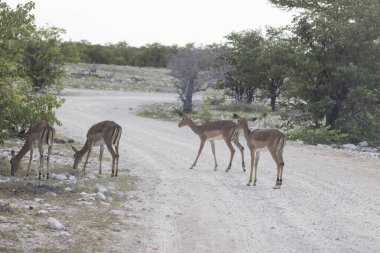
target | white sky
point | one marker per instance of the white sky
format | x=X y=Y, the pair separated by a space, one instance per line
x=168 y=22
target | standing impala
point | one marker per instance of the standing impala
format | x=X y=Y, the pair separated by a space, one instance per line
x=103 y=133
x=40 y=134
x=258 y=139
x=217 y=130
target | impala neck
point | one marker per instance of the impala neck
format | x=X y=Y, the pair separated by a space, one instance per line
x=22 y=152
x=244 y=126
x=194 y=127
x=85 y=148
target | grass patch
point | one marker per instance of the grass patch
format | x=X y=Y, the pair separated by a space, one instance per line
x=162 y=111
x=27 y=189
x=204 y=112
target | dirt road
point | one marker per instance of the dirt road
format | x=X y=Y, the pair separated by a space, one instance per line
x=329 y=201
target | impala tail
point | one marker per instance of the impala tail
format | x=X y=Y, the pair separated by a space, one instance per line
x=281 y=143
x=48 y=135
x=116 y=134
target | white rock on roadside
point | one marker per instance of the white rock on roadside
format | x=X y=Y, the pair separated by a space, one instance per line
x=54 y=224
x=349 y=146
x=59 y=176
x=363 y=144
x=51 y=194
x=64 y=233
x=72 y=180
x=100 y=196
x=68 y=189
x=42 y=212
x=100 y=188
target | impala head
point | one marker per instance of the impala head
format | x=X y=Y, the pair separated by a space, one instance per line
x=14 y=164
x=185 y=120
x=242 y=120
x=77 y=157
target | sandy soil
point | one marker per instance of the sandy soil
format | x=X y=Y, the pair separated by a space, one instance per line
x=329 y=201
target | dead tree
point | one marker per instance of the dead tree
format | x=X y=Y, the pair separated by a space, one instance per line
x=196 y=69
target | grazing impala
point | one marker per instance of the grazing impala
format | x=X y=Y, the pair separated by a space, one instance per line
x=40 y=134
x=221 y=129
x=103 y=133
x=258 y=139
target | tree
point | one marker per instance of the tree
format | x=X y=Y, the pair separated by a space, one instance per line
x=196 y=70
x=337 y=72
x=20 y=105
x=246 y=77
x=43 y=58
x=276 y=62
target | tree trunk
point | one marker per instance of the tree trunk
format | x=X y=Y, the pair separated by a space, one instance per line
x=273 y=93
x=273 y=102
x=188 y=100
x=249 y=92
x=332 y=116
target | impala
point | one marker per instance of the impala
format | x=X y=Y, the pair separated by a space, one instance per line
x=221 y=129
x=42 y=133
x=258 y=139
x=103 y=133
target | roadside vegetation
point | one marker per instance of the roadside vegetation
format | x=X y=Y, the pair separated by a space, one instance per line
x=213 y=107
x=320 y=74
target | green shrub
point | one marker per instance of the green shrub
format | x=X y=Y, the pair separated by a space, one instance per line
x=214 y=100
x=318 y=136
x=204 y=113
x=23 y=107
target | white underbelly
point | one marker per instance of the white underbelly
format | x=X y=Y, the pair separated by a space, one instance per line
x=261 y=150
x=218 y=137
x=98 y=143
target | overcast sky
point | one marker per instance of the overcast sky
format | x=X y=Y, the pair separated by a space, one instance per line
x=168 y=22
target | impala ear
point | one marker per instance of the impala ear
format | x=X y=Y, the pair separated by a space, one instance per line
x=236 y=116
x=74 y=149
x=252 y=119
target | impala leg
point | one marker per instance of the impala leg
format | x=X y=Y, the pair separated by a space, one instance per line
x=199 y=152
x=88 y=155
x=117 y=159
x=47 y=161
x=113 y=154
x=252 y=163
x=276 y=159
x=101 y=158
x=241 y=148
x=30 y=161
x=213 y=152
x=228 y=142
x=282 y=164
x=41 y=168
x=256 y=163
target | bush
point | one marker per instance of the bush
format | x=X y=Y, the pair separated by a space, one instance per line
x=204 y=113
x=318 y=136
x=24 y=107
x=214 y=100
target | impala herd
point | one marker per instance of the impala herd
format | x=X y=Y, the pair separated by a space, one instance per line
x=108 y=133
